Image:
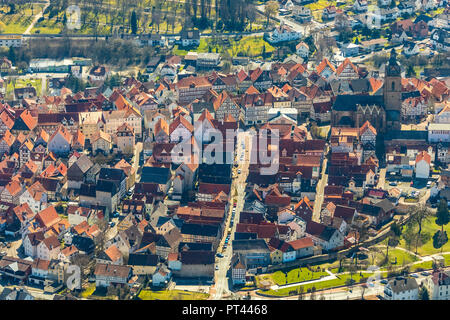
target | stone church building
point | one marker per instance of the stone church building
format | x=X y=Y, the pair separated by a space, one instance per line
x=382 y=111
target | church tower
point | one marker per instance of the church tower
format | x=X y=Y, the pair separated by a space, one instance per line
x=392 y=93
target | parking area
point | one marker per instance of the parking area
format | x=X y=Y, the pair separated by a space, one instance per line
x=410 y=187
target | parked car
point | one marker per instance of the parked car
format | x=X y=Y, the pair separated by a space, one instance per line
x=112 y=224
x=384 y=281
x=239 y=171
x=393 y=183
x=425 y=273
x=429 y=184
x=219 y=255
x=414 y=275
x=217 y=267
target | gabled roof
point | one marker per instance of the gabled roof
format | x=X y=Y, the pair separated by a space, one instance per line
x=344 y=64
x=323 y=64
x=367 y=126
x=180 y=120
x=423 y=155
x=113 y=253
x=301 y=243
x=13 y=188
x=64 y=133
x=48 y=217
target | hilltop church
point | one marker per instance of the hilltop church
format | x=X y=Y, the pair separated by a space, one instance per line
x=382 y=111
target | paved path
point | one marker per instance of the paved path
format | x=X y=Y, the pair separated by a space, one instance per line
x=36 y=18
x=331 y=276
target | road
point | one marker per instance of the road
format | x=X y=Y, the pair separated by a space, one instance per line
x=35 y=292
x=382 y=178
x=221 y=288
x=304 y=29
x=320 y=192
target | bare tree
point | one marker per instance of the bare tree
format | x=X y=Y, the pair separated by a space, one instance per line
x=270 y=9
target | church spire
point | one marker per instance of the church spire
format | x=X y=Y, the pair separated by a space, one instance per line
x=393 y=68
x=393 y=57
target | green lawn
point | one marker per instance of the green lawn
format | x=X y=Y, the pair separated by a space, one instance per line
x=321 y=132
x=19 y=21
x=297 y=275
x=427 y=249
x=401 y=256
x=22 y=83
x=422 y=265
x=172 y=295
x=88 y=291
x=250 y=46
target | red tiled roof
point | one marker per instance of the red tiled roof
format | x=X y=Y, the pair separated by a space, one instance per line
x=48 y=217
x=423 y=155
x=301 y=243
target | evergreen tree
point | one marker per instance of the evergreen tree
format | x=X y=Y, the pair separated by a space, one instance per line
x=442 y=214
x=410 y=71
x=133 y=23
x=12 y=55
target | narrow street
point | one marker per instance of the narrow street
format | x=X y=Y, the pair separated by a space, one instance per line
x=221 y=289
x=36 y=18
x=320 y=192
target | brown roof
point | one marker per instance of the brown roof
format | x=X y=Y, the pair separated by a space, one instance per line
x=109 y=270
x=23 y=211
x=161 y=124
x=125 y=127
x=366 y=126
x=40 y=264
x=69 y=251
x=212 y=188
x=13 y=188
x=64 y=132
x=51 y=242
x=323 y=65
x=48 y=217
x=344 y=64
x=193 y=81
x=301 y=243
x=113 y=253
x=28 y=119
x=423 y=155
x=180 y=120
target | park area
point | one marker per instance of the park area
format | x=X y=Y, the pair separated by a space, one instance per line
x=297 y=275
x=23 y=83
x=19 y=20
x=340 y=280
x=249 y=46
x=430 y=227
